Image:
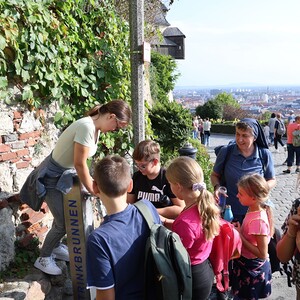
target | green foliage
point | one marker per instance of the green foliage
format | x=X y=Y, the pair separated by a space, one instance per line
x=226 y=99
x=223 y=106
x=163 y=75
x=24 y=260
x=73 y=52
x=210 y=109
x=203 y=158
x=171 y=125
x=119 y=142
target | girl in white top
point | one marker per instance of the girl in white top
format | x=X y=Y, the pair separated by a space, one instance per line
x=75 y=145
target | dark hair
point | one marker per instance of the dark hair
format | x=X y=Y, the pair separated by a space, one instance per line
x=112 y=175
x=273 y=115
x=118 y=107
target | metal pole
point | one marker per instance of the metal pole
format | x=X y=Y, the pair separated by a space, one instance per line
x=136 y=19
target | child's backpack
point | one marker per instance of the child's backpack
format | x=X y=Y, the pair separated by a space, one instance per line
x=226 y=246
x=281 y=128
x=168 y=274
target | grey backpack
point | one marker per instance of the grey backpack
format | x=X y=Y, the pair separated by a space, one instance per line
x=281 y=128
x=168 y=274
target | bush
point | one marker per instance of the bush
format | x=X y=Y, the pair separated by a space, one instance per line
x=171 y=124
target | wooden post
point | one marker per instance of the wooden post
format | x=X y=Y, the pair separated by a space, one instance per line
x=79 y=224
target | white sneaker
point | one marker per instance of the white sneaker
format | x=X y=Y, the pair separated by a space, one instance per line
x=61 y=252
x=47 y=265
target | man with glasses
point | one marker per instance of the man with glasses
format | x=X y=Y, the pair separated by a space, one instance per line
x=150 y=181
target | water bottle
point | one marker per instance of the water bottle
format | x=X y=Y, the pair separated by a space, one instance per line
x=222 y=197
x=228 y=215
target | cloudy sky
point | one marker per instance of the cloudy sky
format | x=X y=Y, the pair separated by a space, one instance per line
x=231 y=42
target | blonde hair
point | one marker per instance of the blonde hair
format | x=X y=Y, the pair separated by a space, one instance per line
x=257 y=187
x=187 y=172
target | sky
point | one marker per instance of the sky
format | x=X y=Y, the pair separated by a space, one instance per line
x=238 y=42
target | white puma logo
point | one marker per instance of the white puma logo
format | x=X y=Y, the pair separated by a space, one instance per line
x=155 y=188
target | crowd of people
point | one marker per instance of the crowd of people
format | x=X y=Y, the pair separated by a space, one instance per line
x=201 y=130
x=176 y=196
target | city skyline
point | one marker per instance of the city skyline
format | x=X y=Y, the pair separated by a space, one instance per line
x=238 y=43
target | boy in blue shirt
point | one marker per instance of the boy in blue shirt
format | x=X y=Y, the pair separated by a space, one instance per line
x=115 y=250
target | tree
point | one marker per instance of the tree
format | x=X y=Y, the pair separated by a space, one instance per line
x=226 y=99
x=223 y=106
x=210 y=109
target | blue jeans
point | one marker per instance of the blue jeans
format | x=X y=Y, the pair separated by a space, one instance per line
x=206 y=138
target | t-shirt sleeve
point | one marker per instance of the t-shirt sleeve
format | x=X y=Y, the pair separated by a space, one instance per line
x=84 y=135
x=269 y=164
x=258 y=227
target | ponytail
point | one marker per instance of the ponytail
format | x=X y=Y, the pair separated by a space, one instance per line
x=209 y=214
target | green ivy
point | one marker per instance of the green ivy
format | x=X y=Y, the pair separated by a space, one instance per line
x=73 y=52
x=163 y=74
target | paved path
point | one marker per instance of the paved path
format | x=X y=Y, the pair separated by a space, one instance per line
x=282 y=196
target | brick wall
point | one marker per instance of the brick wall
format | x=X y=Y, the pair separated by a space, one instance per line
x=26 y=138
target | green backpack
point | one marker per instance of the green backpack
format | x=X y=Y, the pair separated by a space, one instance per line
x=296 y=138
x=168 y=274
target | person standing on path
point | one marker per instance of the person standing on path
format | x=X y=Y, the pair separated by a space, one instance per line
x=279 y=131
x=206 y=129
x=54 y=176
x=249 y=154
x=198 y=223
x=292 y=150
x=195 y=127
x=251 y=278
x=116 y=249
x=272 y=121
x=150 y=181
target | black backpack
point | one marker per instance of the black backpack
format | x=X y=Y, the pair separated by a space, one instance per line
x=168 y=274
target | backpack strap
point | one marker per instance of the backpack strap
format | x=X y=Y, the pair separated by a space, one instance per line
x=262 y=156
x=229 y=148
x=145 y=212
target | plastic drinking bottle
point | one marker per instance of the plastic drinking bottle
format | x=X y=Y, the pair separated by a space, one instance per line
x=228 y=215
x=222 y=197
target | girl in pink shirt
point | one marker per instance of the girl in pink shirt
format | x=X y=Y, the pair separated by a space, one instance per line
x=198 y=223
x=252 y=271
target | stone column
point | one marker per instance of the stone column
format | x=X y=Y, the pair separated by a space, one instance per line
x=136 y=12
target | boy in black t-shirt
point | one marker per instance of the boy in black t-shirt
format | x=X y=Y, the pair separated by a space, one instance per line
x=150 y=181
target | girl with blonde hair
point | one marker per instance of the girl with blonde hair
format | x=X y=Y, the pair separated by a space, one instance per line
x=198 y=223
x=252 y=271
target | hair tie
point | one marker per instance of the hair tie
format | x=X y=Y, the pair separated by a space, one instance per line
x=199 y=186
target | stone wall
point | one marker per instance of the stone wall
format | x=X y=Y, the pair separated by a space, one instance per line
x=27 y=137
